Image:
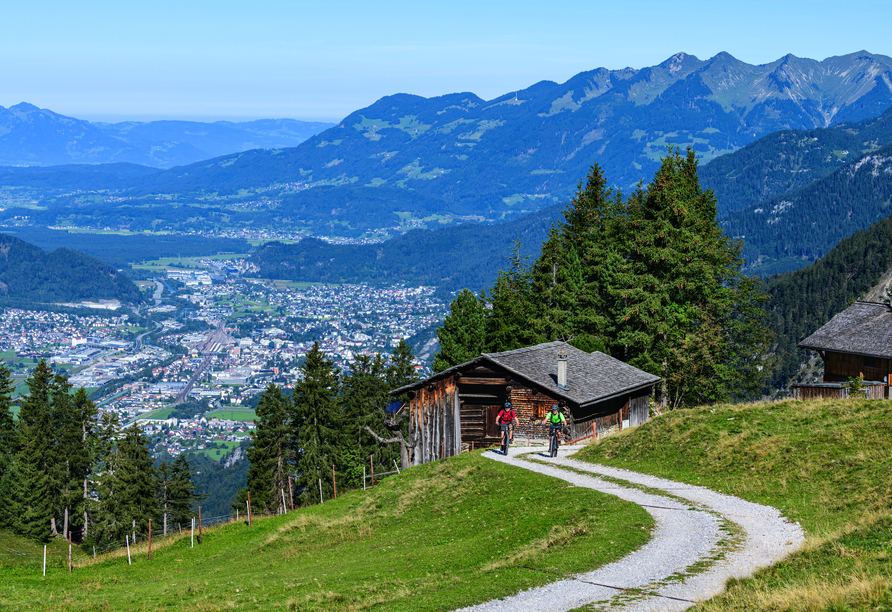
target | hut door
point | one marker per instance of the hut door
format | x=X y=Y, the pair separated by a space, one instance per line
x=492 y=425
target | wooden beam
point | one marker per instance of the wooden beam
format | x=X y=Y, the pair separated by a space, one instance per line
x=467 y=380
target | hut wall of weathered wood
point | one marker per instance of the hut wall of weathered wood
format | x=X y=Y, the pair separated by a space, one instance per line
x=839 y=367
x=871 y=390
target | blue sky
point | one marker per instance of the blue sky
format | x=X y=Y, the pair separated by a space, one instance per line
x=202 y=60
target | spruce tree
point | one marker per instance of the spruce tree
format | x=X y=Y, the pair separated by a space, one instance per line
x=103 y=501
x=9 y=445
x=316 y=425
x=134 y=475
x=687 y=312
x=363 y=397
x=32 y=498
x=463 y=334
x=177 y=493
x=271 y=452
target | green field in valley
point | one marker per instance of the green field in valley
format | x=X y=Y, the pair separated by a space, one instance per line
x=232 y=414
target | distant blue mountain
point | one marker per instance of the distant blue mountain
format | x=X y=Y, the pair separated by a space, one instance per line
x=30 y=136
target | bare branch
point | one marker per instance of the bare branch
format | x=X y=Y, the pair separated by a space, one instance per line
x=382 y=440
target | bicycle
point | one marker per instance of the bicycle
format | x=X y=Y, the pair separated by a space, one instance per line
x=506 y=433
x=553 y=441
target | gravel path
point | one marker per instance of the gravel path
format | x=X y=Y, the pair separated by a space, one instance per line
x=700 y=527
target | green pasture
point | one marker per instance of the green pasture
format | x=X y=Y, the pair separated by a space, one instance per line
x=436 y=537
x=824 y=464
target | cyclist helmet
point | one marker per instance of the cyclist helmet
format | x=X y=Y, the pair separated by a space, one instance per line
x=554 y=406
x=507 y=404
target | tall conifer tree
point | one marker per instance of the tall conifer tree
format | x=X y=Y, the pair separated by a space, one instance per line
x=271 y=452
x=462 y=336
x=316 y=425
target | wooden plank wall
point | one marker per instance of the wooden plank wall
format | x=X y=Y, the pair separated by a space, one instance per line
x=433 y=415
x=639 y=410
x=531 y=407
x=809 y=392
x=839 y=367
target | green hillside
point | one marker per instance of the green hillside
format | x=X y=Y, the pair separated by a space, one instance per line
x=824 y=464
x=435 y=537
x=27 y=273
x=451 y=258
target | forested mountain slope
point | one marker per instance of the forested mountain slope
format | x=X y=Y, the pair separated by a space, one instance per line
x=788 y=160
x=468 y=255
x=802 y=301
x=796 y=228
x=62 y=275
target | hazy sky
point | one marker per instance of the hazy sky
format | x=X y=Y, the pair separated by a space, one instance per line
x=203 y=60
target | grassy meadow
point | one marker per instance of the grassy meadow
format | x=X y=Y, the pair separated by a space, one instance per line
x=436 y=537
x=825 y=464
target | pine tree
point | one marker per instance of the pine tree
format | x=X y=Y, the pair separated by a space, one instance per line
x=134 y=474
x=316 y=425
x=510 y=321
x=462 y=336
x=271 y=452
x=177 y=493
x=32 y=496
x=363 y=398
x=103 y=502
x=9 y=444
x=687 y=313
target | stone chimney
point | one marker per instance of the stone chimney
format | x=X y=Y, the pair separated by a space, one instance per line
x=562 y=369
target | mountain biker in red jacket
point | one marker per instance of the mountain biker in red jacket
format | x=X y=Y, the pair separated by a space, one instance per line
x=507 y=416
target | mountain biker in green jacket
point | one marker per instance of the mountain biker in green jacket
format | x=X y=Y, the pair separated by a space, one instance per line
x=555 y=418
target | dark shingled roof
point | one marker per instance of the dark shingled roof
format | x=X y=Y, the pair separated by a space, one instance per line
x=864 y=328
x=591 y=377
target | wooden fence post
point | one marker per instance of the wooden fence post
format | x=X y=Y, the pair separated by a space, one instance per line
x=320 y=490
x=249 y=509
x=192 y=534
x=150 y=539
x=127 y=539
x=284 y=507
x=69 y=552
x=372 y=462
x=44 y=558
x=290 y=493
x=199 y=524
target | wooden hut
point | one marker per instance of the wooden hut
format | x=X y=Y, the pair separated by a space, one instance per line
x=856 y=343
x=459 y=406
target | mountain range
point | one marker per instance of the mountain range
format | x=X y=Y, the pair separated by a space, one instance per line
x=529 y=148
x=31 y=136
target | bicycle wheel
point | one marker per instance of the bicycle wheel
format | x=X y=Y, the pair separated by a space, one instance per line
x=552 y=439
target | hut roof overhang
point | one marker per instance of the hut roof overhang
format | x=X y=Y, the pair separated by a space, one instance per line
x=864 y=328
x=591 y=377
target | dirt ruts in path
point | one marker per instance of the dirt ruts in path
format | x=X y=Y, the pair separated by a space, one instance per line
x=700 y=540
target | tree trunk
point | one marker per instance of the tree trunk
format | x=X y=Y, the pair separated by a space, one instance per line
x=165 y=523
x=84 y=537
x=53 y=530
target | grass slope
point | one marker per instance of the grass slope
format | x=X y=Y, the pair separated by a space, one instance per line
x=436 y=537
x=824 y=464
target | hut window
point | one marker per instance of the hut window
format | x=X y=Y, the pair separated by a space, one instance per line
x=870 y=362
